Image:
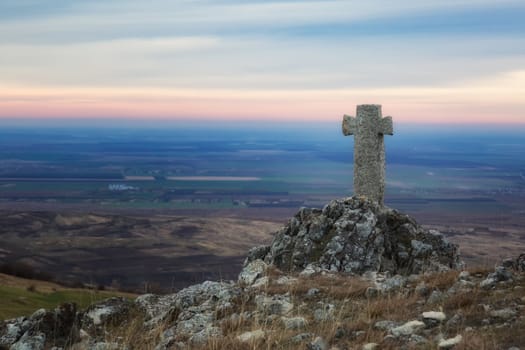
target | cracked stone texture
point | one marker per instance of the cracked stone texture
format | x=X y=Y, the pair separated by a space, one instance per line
x=368 y=128
x=356 y=235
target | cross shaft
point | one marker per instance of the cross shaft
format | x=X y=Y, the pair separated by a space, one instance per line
x=368 y=128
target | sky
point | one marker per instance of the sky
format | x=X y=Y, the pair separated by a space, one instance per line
x=427 y=61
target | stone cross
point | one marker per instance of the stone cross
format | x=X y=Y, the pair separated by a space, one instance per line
x=368 y=127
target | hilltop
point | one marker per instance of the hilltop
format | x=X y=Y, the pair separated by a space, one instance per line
x=411 y=295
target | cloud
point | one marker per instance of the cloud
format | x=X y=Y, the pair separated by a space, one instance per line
x=431 y=55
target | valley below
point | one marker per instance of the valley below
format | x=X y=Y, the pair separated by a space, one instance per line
x=165 y=251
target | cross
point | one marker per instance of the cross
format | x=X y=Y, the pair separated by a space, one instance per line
x=369 y=150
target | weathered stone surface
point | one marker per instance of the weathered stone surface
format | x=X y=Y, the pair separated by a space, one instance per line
x=250 y=273
x=433 y=318
x=500 y=274
x=450 y=343
x=103 y=313
x=317 y=344
x=43 y=328
x=357 y=236
x=370 y=346
x=325 y=312
x=251 y=336
x=297 y=322
x=368 y=127
x=408 y=328
x=273 y=305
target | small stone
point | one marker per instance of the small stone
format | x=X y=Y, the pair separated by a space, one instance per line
x=408 y=328
x=370 y=346
x=455 y=321
x=385 y=325
x=488 y=283
x=433 y=318
x=436 y=297
x=504 y=314
x=252 y=272
x=285 y=280
x=251 y=336
x=464 y=275
x=310 y=270
x=392 y=284
x=325 y=313
x=299 y=338
x=318 y=344
x=450 y=343
x=274 y=305
x=312 y=292
x=294 y=322
x=435 y=315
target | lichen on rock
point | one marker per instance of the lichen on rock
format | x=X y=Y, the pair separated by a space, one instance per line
x=355 y=235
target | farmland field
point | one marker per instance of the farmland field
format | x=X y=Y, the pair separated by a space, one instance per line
x=150 y=183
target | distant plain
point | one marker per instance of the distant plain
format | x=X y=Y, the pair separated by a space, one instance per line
x=183 y=203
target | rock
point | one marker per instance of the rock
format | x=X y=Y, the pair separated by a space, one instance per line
x=461 y=286
x=201 y=338
x=29 y=341
x=488 y=283
x=370 y=346
x=301 y=337
x=354 y=235
x=274 y=305
x=385 y=325
x=500 y=274
x=434 y=315
x=252 y=336
x=261 y=282
x=503 y=314
x=455 y=321
x=42 y=329
x=286 y=280
x=464 y=275
x=190 y=323
x=310 y=269
x=450 y=343
x=252 y=272
x=294 y=322
x=106 y=310
x=256 y=253
x=436 y=297
x=317 y=344
x=312 y=292
x=407 y=329
x=392 y=284
x=433 y=318
x=324 y=313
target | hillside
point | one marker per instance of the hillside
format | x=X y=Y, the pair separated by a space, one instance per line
x=353 y=275
x=20 y=296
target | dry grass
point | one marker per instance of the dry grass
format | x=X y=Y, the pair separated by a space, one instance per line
x=352 y=323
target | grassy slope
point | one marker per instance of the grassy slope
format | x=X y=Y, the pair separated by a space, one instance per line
x=17 y=299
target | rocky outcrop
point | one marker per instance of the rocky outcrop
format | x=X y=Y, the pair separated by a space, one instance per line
x=41 y=330
x=354 y=235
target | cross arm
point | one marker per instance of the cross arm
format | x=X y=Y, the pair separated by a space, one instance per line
x=349 y=125
x=387 y=126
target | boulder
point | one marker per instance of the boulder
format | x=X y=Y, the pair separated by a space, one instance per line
x=355 y=235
